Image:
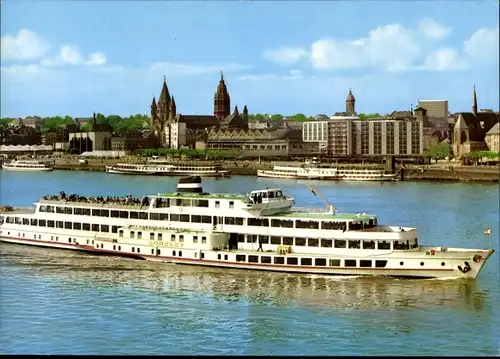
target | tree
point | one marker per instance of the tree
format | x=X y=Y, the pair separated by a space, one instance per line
x=299 y=117
x=368 y=116
x=439 y=151
x=277 y=117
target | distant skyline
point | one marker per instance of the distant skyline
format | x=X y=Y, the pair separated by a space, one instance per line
x=77 y=57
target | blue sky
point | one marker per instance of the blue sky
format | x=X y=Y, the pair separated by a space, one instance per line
x=77 y=57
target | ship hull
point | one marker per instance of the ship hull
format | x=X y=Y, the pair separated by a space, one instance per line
x=273 y=174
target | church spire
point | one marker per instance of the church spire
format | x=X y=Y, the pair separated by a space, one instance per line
x=474 y=102
x=222 y=101
x=165 y=95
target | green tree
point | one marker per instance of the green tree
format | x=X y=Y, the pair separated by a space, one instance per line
x=277 y=117
x=439 y=151
x=259 y=117
x=299 y=117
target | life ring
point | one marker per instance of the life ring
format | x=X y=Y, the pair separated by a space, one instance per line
x=433 y=252
x=477 y=258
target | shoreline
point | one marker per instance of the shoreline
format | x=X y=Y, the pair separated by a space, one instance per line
x=248 y=168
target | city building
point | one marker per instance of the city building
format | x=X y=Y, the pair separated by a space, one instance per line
x=493 y=138
x=97 y=139
x=470 y=129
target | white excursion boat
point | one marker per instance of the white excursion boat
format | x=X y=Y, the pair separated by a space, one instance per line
x=261 y=230
x=28 y=165
x=312 y=170
x=167 y=168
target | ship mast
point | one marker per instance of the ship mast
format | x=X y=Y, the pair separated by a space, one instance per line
x=331 y=208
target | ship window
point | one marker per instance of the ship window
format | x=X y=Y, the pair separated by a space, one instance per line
x=354 y=244
x=202 y=255
x=152 y=251
x=50 y=223
x=95 y=228
x=195 y=218
x=300 y=241
x=59 y=224
x=163 y=216
x=77 y=225
x=121 y=233
x=86 y=211
x=264 y=239
x=307 y=224
x=292 y=261
x=174 y=217
x=251 y=238
x=422 y=263
x=114 y=247
x=313 y=242
x=279 y=260
x=115 y=214
x=238 y=221
x=18 y=220
x=306 y=261
x=217 y=204
x=184 y=217
x=365 y=263
x=368 y=244
x=78 y=210
x=201 y=203
x=384 y=245
x=180 y=253
x=225 y=257
x=206 y=219
x=154 y=216
x=41 y=222
x=86 y=227
x=151 y=236
x=203 y=239
x=26 y=221
x=282 y=223
x=68 y=210
x=276 y=240
x=195 y=239
x=181 y=238
x=123 y=214
x=139 y=235
x=69 y=240
x=160 y=236
x=229 y=220
x=326 y=243
x=401 y=245
x=59 y=210
x=336 y=226
x=10 y=219
x=133 y=249
x=414 y=243
x=143 y=215
x=158 y=252
x=104 y=212
x=380 y=264
x=253 y=259
x=334 y=262
x=231 y=204
x=241 y=238
x=68 y=225
x=259 y=222
x=102 y=245
x=219 y=256
x=50 y=209
x=96 y=212
x=320 y=262
x=350 y=263
x=240 y=258
x=172 y=237
x=138 y=250
x=134 y=215
x=288 y=241
x=265 y=259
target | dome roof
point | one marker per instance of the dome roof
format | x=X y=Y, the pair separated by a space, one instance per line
x=350 y=96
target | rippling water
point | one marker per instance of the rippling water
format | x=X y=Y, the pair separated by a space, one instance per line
x=62 y=302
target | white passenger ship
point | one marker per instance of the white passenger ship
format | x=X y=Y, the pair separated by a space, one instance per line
x=167 y=168
x=261 y=231
x=315 y=171
x=28 y=165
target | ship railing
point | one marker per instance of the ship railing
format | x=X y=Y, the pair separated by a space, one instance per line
x=310 y=210
x=23 y=209
x=96 y=204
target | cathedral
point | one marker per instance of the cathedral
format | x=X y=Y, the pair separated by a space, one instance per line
x=173 y=130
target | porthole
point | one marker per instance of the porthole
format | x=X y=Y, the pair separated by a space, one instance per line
x=173 y=253
x=218 y=256
x=442 y=264
x=421 y=263
x=401 y=263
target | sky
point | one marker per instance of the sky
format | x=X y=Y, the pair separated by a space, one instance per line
x=76 y=57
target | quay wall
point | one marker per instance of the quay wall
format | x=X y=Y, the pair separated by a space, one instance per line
x=249 y=168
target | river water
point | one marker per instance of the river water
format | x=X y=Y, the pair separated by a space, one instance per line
x=61 y=302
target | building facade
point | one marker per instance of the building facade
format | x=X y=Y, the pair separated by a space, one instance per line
x=493 y=138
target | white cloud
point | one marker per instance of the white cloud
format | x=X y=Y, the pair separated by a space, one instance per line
x=23 y=69
x=176 y=69
x=70 y=55
x=433 y=30
x=483 y=45
x=286 y=55
x=25 y=45
x=444 y=60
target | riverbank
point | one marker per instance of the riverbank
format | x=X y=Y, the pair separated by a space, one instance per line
x=249 y=168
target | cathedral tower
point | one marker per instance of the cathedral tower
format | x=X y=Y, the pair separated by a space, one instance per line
x=350 y=107
x=222 y=101
x=474 y=102
x=164 y=104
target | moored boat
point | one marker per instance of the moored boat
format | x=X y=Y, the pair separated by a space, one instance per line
x=28 y=165
x=261 y=230
x=167 y=168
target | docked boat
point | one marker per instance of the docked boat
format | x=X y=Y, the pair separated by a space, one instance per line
x=261 y=230
x=28 y=165
x=167 y=168
x=315 y=171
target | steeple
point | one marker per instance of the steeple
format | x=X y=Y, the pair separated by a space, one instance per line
x=350 y=102
x=236 y=112
x=474 y=102
x=94 y=122
x=153 y=104
x=173 y=108
x=222 y=101
x=165 y=95
x=245 y=111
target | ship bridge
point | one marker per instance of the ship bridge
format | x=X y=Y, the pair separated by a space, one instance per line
x=269 y=201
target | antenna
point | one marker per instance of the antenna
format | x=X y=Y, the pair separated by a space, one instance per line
x=329 y=204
